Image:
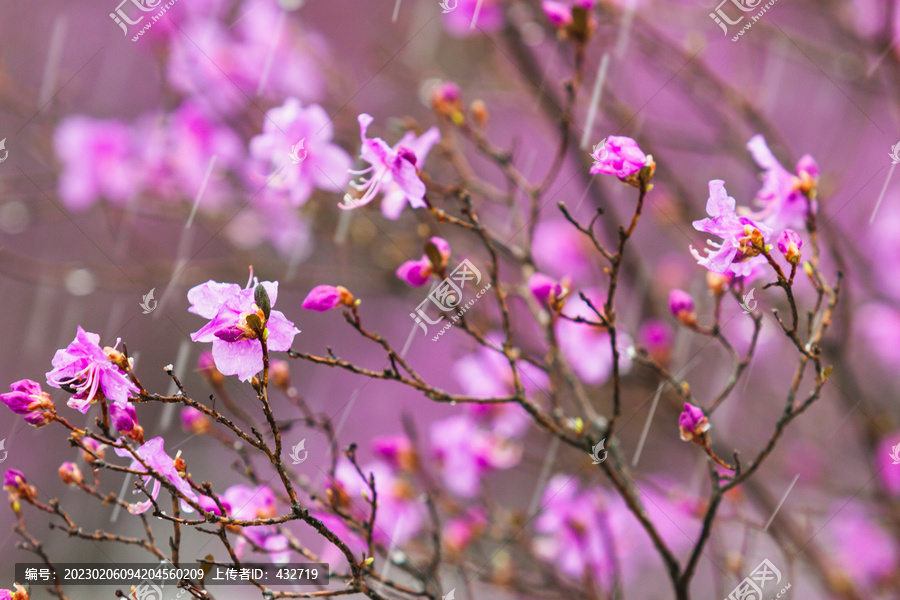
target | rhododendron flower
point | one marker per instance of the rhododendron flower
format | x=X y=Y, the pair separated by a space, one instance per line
x=560 y=13
x=781 y=196
x=393 y=171
x=153 y=453
x=70 y=473
x=18 y=594
x=681 y=305
x=546 y=289
x=86 y=370
x=789 y=244
x=738 y=252
x=27 y=398
x=323 y=298
x=417 y=272
x=98 y=161
x=296 y=145
x=463 y=530
x=397 y=450
x=124 y=419
x=619 y=156
x=234 y=347
x=692 y=423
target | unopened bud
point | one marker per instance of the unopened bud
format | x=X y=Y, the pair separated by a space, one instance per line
x=718 y=283
x=479 y=112
x=70 y=473
x=280 y=374
x=681 y=304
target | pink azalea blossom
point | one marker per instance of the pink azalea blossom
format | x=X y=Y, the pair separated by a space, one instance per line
x=789 y=244
x=735 y=252
x=234 y=349
x=194 y=421
x=323 y=298
x=153 y=453
x=27 y=398
x=417 y=272
x=619 y=156
x=782 y=201
x=124 y=419
x=249 y=503
x=545 y=289
x=560 y=13
x=99 y=160
x=85 y=370
x=293 y=133
x=392 y=170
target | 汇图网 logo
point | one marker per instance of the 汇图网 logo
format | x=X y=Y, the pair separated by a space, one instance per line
x=448 y=297
x=761 y=584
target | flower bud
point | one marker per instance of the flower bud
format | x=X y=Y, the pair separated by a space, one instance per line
x=116 y=358
x=70 y=473
x=718 y=283
x=807 y=175
x=479 y=112
x=28 y=399
x=15 y=483
x=194 y=421
x=280 y=374
x=681 y=305
x=789 y=244
x=95 y=447
x=446 y=100
x=438 y=252
x=17 y=594
x=547 y=290
x=693 y=424
x=124 y=419
x=323 y=298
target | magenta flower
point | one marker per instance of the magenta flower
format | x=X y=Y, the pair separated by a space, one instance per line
x=417 y=272
x=296 y=146
x=619 y=156
x=13 y=480
x=560 y=13
x=656 y=336
x=546 y=289
x=98 y=161
x=692 y=423
x=461 y=531
x=28 y=399
x=736 y=252
x=681 y=305
x=781 y=196
x=18 y=594
x=789 y=244
x=234 y=347
x=85 y=370
x=486 y=373
x=70 y=473
x=397 y=450
x=323 y=298
x=393 y=171
x=124 y=419
x=153 y=453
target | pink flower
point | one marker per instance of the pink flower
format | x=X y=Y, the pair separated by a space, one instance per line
x=681 y=305
x=546 y=289
x=781 y=196
x=692 y=423
x=124 y=419
x=292 y=133
x=560 y=13
x=417 y=272
x=736 y=252
x=153 y=453
x=98 y=161
x=247 y=504
x=619 y=156
x=789 y=244
x=84 y=370
x=489 y=19
x=656 y=336
x=234 y=348
x=323 y=298
x=397 y=450
x=194 y=421
x=28 y=399
x=393 y=171
x=587 y=347
x=461 y=531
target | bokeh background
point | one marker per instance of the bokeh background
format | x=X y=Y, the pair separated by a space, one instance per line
x=813 y=77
